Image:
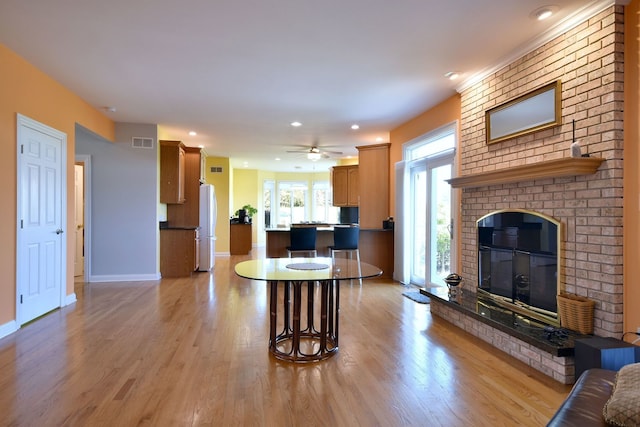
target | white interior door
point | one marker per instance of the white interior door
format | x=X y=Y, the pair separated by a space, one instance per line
x=41 y=196
x=78 y=263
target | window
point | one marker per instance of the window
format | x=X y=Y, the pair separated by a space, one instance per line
x=321 y=204
x=292 y=198
x=292 y=202
x=269 y=199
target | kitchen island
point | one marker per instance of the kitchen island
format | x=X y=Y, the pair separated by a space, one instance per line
x=376 y=246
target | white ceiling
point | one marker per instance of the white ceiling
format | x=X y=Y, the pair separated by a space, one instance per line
x=239 y=71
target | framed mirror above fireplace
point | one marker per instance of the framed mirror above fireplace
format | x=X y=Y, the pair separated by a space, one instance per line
x=531 y=112
x=518 y=262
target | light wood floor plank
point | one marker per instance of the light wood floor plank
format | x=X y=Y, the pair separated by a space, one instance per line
x=193 y=352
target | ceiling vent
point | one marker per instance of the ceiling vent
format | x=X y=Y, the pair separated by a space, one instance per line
x=216 y=169
x=141 y=142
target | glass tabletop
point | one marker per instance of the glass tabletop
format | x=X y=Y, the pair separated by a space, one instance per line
x=291 y=269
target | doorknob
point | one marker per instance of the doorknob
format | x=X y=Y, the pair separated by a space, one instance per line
x=59 y=231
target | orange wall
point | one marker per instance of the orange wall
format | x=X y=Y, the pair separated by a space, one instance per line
x=631 y=162
x=442 y=114
x=28 y=91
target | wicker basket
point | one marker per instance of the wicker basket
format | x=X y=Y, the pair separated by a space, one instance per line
x=576 y=313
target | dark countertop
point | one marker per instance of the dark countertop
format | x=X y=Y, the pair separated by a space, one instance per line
x=325 y=228
x=559 y=342
x=164 y=225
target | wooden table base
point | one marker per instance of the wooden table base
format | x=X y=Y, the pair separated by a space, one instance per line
x=293 y=343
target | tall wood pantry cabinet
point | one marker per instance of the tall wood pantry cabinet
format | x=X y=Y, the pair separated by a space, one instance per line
x=373 y=161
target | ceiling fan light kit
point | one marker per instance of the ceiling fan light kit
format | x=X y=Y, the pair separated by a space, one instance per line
x=314 y=153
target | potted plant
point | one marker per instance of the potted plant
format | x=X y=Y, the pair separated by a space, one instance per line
x=247 y=211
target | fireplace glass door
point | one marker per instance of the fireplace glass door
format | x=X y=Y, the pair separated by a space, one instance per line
x=518 y=260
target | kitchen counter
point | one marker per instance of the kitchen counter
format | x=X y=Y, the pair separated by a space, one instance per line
x=376 y=245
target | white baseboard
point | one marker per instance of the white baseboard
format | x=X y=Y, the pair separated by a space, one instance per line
x=8 y=328
x=70 y=299
x=124 y=278
x=223 y=254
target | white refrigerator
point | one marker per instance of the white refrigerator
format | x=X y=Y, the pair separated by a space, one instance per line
x=208 y=213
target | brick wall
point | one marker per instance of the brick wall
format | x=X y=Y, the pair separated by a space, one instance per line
x=588 y=59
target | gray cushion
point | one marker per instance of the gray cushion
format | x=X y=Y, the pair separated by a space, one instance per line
x=623 y=407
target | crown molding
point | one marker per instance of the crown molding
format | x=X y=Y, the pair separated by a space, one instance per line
x=561 y=27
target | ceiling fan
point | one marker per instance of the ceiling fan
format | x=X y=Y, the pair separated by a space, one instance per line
x=314 y=153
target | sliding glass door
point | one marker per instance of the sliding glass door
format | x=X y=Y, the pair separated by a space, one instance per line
x=430 y=215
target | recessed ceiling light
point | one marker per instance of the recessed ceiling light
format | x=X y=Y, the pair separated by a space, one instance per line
x=192 y=133
x=355 y=126
x=379 y=139
x=543 y=12
x=452 y=75
x=296 y=124
x=277 y=158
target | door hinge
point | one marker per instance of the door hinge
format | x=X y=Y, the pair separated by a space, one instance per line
x=20 y=298
x=21 y=148
x=22 y=223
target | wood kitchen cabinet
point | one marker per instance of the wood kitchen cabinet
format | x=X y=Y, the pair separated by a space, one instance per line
x=179 y=252
x=373 y=163
x=187 y=214
x=344 y=181
x=172 y=172
x=240 y=243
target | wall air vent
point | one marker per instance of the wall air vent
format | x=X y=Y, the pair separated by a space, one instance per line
x=216 y=169
x=141 y=142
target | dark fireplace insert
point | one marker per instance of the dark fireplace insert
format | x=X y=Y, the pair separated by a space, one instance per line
x=518 y=261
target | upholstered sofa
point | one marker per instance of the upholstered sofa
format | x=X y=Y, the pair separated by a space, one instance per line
x=584 y=404
x=601 y=393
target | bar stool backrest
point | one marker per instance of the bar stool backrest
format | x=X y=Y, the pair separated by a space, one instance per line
x=345 y=237
x=303 y=238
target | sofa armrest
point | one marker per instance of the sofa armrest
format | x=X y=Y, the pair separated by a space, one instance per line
x=583 y=406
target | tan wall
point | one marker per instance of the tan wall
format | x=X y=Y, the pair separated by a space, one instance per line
x=588 y=60
x=247 y=190
x=442 y=114
x=28 y=91
x=631 y=162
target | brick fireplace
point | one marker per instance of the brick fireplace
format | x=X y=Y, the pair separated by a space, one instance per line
x=588 y=60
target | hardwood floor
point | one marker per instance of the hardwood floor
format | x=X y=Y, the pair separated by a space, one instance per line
x=193 y=352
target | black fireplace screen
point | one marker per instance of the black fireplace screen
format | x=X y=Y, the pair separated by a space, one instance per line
x=518 y=259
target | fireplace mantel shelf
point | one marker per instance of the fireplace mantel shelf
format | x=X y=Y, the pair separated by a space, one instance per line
x=570 y=166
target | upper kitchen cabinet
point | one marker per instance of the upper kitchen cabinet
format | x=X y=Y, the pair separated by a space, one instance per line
x=374 y=187
x=344 y=181
x=172 y=170
x=187 y=214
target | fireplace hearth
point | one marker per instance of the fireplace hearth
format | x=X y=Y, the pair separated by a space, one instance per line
x=547 y=348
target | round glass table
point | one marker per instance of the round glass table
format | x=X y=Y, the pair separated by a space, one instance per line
x=299 y=329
